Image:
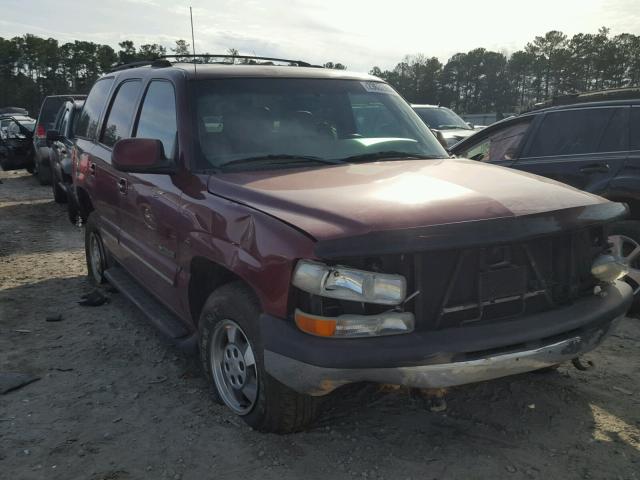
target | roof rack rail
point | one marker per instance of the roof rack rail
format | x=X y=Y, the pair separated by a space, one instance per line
x=156 y=62
x=298 y=63
x=624 y=93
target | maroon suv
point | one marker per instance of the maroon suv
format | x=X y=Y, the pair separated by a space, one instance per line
x=305 y=229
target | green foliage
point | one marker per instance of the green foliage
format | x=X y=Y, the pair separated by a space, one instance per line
x=551 y=65
x=32 y=67
x=480 y=80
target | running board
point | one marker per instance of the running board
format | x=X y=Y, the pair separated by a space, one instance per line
x=162 y=318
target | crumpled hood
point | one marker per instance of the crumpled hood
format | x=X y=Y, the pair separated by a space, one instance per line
x=355 y=199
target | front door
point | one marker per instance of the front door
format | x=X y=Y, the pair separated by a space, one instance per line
x=150 y=203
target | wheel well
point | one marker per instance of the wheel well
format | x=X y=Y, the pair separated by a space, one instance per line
x=85 y=207
x=206 y=276
x=634 y=206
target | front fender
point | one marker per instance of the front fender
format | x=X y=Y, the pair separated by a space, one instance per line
x=259 y=249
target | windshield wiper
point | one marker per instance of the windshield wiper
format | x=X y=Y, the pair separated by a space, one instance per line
x=280 y=159
x=388 y=155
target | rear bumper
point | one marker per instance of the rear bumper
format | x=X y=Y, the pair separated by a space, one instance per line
x=455 y=360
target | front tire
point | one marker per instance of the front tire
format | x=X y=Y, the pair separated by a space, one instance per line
x=232 y=356
x=95 y=252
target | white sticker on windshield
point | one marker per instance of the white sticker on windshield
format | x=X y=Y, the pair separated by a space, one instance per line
x=377 y=87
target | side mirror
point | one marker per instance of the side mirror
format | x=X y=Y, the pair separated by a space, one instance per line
x=52 y=136
x=141 y=155
x=470 y=125
x=440 y=137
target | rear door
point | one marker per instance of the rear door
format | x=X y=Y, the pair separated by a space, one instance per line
x=94 y=174
x=151 y=202
x=58 y=149
x=583 y=147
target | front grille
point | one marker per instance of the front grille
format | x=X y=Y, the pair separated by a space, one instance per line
x=465 y=287
x=493 y=283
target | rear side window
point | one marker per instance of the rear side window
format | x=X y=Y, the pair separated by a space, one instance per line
x=120 y=117
x=49 y=111
x=634 y=126
x=573 y=132
x=87 y=124
x=158 y=116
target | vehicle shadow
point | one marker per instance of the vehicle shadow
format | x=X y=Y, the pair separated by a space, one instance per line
x=566 y=424
x=532 y=423
x=33 y=228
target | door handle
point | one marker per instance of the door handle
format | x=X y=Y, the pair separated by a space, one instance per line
x=122 y=186
x=92 y=169
x=596 y=168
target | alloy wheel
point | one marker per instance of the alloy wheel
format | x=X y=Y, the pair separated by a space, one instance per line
x=628 y=250
x=234 y=367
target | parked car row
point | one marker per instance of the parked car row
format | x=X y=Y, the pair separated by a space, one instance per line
x=303 y=229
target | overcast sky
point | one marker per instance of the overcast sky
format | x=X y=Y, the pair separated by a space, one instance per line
x=357 y=33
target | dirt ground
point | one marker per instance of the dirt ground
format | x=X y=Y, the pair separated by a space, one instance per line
x=115 y=401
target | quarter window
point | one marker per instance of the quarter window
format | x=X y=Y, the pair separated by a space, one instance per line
x=499 y=146
x=573 y=132
x=87 y=125
x=158 y=116
x=120 y=116
x=63 y=124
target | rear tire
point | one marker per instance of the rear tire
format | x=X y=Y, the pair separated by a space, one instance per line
x=625 y=237
x=59 y=195
x=228 y=330
x=95 y=252
x=42 y=172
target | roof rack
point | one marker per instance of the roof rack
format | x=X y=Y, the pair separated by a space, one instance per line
x=627 y=93
x=155 y=62
x=164 y=61
x=298 y=63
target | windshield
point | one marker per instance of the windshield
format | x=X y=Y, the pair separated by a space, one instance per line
x=441 y=118
x=319 y=121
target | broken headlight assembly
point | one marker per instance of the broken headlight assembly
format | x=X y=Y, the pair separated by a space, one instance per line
x=345 y=283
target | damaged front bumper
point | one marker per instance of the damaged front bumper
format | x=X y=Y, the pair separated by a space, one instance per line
x=444 y=358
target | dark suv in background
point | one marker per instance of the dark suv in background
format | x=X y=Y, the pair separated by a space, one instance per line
x=60 y=141
x=46 y=119
x=590 y=145
x=305 y=229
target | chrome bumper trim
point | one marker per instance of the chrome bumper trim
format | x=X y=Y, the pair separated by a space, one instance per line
x=317 y=381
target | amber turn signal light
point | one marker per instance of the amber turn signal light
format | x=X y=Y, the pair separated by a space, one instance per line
x=321 y=327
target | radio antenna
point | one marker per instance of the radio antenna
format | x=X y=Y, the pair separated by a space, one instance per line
x=193 y=43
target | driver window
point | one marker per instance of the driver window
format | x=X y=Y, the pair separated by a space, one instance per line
x=502 y=145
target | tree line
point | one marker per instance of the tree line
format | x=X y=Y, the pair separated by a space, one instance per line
x=478 y=81
x=551 y=65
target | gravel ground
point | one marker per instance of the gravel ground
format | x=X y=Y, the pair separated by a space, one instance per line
x=115 y=401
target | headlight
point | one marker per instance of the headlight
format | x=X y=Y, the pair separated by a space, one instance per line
x=349 y=283
x=608 y=268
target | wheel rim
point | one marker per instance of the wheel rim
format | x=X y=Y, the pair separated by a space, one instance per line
x=96 y=257
x=628 y=251
x=234 y=367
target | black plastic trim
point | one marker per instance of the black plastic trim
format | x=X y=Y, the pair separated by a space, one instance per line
x=442 y=346
x=472 y=233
